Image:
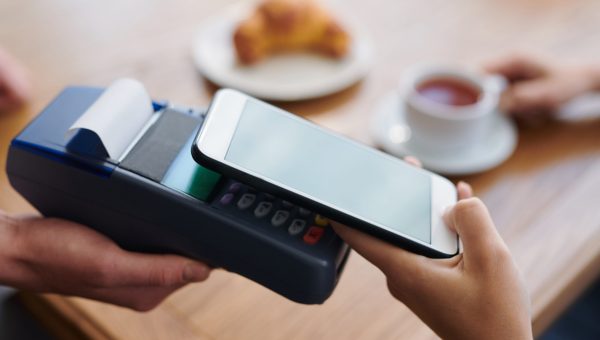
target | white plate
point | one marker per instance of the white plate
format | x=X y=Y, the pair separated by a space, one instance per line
x=391 y=133
x=285 y=77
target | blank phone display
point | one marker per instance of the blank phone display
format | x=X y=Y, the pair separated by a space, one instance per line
x=294 y=154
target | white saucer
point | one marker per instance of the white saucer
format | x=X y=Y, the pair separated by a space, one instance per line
x=285 y=77
x=391 y=133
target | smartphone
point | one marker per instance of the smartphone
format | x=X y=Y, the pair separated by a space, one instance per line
x=295 y=159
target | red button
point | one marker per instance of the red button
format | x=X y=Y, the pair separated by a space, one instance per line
x=313 y=235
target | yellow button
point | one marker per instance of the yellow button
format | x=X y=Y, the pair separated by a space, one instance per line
x=321 y=221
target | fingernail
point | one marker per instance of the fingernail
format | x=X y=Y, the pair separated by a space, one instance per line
x=464 y=186
x=413 y=161
x=195 y=272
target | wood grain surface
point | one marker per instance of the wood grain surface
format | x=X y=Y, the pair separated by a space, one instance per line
x=545 y=198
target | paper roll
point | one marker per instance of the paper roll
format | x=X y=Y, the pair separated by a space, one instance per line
x=117 y=116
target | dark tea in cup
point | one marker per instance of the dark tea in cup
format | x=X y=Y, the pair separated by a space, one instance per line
x=449 y=91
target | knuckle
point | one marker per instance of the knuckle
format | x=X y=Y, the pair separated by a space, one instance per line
x=497 y=258
x=467 y=205
x=103 y=272
x=157 y=278
x=408 y=284
x=162 y=277
x=104 y=268
x=408 y=280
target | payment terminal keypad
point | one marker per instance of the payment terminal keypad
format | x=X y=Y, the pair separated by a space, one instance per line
x=297 y=226
x=263 y=209
x=246 y=201
x=273 y=214
x=280 y=217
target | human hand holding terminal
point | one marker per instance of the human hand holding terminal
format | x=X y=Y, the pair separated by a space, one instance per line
x=58 y=256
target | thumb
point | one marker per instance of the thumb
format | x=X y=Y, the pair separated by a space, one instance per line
x=387 y=257
x=473 y=224
x=137 y=269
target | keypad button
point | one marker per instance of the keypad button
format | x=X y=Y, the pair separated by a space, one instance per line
x=263 y=209
x=287 y=204
x=321 y=221
x=280 y=217
x=313 y=235
x=303 y=212
x=226 y=199
x=297 y=226
x=246 y=201
x=234 y=187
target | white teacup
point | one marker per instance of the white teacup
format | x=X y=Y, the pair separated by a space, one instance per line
x=444 y=126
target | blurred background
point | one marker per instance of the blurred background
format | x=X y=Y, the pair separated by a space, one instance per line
x=533 y=196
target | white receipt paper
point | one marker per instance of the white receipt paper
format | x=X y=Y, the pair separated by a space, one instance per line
x=117 y=116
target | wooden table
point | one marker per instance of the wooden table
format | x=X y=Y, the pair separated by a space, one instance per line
x=545 y=199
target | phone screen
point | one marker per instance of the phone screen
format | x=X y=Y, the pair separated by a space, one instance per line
x=350 y=178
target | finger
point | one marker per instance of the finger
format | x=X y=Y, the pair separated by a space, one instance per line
x=13 y=80
x=413 y=161
x=517 y=66
x=136 y=269
x=532 y=118
x=534 y=95
x=25 y=216
x=472 y=222
x=384 y=255
x=464 y=190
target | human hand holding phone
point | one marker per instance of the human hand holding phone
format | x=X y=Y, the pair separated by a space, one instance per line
x=478 y=294
x=280 y=153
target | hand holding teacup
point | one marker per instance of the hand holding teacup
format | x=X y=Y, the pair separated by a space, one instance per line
x=540 y=86
x=447 y=116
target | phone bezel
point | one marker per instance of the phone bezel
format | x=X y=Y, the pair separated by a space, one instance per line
x=211 y=145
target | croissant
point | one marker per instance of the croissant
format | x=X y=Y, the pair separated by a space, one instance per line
x=289 y=26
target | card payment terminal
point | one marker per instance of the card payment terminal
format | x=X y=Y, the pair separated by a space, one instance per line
x=157 y=199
